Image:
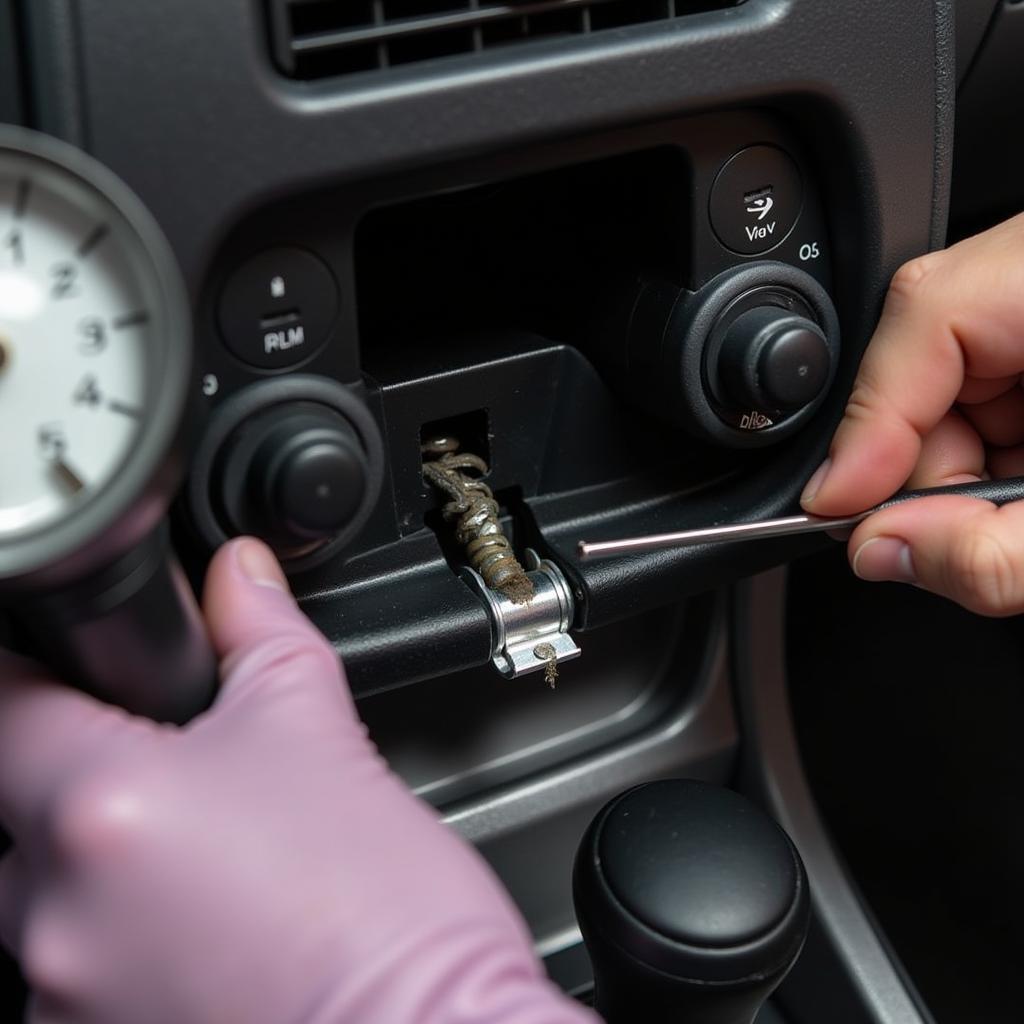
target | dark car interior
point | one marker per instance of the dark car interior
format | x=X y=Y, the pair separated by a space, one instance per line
x=562 y=233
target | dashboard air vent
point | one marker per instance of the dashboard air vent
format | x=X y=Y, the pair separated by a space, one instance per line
x=325 y=38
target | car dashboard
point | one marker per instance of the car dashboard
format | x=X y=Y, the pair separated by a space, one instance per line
x=558 y=234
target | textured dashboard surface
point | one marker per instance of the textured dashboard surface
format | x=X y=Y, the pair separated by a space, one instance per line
x=181 y=74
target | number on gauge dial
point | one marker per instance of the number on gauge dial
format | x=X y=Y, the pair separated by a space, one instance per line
x=73 y=329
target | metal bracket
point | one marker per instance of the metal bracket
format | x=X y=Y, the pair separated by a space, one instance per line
x=519 y=630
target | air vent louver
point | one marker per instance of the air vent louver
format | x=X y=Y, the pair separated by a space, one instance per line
x=324 y=38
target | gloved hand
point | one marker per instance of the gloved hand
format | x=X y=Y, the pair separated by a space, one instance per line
x=938 y=400
x=261 y=865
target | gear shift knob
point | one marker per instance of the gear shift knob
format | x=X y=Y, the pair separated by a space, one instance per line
x=692 y=902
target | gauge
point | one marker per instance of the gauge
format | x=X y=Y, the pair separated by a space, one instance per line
x=95 y=356
x=94 y=360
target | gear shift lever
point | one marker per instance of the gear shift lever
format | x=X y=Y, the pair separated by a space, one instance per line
x=693 y=905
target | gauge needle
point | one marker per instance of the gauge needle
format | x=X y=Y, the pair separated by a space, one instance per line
x=999 y=492
x=68 y=476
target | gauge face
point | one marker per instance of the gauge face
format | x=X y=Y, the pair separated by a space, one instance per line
x=73 y=321
x=91 y=388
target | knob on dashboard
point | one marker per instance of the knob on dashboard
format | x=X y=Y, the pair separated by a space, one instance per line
x=745 y=361
x=298 y=461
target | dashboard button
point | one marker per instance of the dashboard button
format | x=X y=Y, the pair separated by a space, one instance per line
x=756 y=200
x=277 y=308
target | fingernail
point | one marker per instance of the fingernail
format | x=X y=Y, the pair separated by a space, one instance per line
x=259 y=565
x=814 y=484
x=884 y=558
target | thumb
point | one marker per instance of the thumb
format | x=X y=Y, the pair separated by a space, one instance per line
x=261 y=637
x=962 y=548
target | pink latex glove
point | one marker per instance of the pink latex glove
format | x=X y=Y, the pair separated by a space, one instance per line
x=261 y=865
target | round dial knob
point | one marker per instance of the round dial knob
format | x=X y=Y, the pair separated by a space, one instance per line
x=744 y=361
x=308 y=476
x=297 y=460
x=296 y=475
x=772 y=360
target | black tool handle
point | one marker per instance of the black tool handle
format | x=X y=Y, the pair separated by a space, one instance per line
x=999 y=492
x=131 y=635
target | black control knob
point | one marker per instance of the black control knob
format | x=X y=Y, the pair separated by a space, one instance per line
x=307 y=477
x=773 y=360
x=745 y=361
x=296 y=474
x=296 y=460
x=692 y=902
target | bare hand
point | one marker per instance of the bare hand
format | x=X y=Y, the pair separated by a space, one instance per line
x=938 y=400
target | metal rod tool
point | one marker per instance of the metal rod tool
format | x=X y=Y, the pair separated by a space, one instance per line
x=999 y=492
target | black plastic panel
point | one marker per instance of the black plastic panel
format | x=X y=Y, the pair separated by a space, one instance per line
x=863 y=85
x=926 y=820
x=989 y=152
x=473 y=731
x=441 y=298
x=847 y=973
x=12 y=109
x=861 y=71
x=973 y=19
